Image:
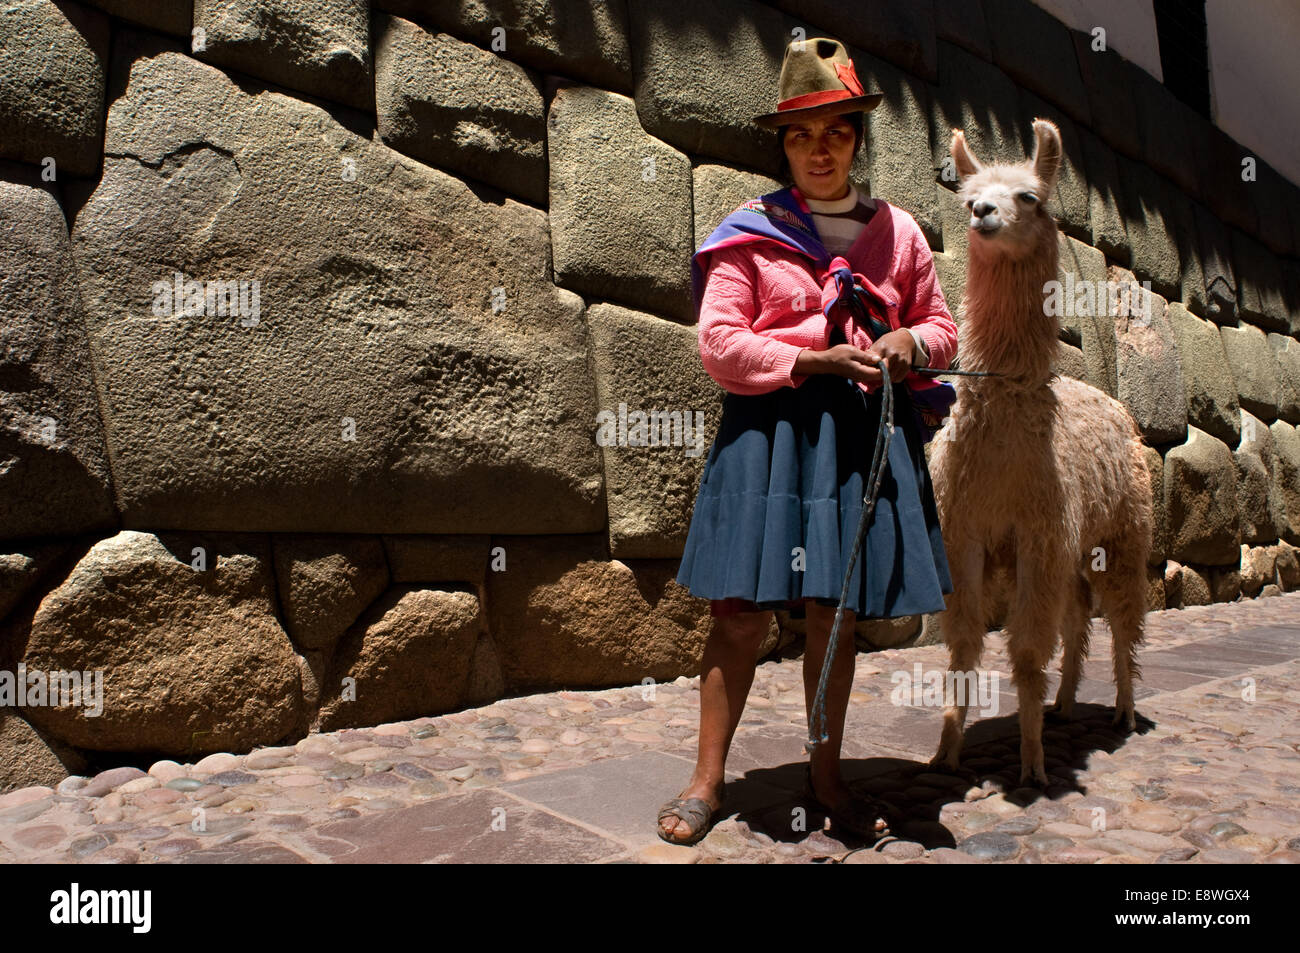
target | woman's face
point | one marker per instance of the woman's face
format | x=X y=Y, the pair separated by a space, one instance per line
x=820 y=152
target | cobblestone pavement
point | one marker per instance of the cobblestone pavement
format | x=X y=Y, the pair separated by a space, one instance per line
x=1212 y=775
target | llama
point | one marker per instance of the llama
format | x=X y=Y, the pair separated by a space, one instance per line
x=1033 y=472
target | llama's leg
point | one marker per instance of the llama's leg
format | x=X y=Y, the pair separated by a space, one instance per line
x=1032 y=625
x=963 y=632
x=1122 y=591
x=1074 y=647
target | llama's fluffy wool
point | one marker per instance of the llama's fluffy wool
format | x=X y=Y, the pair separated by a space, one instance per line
x=1033 y=473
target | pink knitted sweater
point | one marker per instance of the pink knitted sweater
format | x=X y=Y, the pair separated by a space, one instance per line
x=762 y=304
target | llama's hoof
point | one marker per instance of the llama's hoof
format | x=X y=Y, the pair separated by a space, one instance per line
x=945 y=762
x=1125 y=716
x=1037 y=775
x=1059 y=711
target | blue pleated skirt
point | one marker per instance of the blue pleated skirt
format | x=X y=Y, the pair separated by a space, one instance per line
x=781 y=496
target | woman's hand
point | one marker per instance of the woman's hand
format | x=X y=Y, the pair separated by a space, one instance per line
x=897 y=348
x=845 y=360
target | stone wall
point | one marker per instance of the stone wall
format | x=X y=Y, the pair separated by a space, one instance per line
x=372 y=488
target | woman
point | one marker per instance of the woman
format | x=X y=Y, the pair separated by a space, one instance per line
x=782 y=490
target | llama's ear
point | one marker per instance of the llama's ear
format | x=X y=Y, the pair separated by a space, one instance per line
x=1047 y=153
x=962 y=157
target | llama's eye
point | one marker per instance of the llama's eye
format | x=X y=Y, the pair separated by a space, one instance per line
x=1029 y=197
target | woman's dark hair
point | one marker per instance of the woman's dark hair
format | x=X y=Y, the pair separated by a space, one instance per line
x=854 y=119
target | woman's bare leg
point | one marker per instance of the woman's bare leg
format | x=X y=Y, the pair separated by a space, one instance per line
x=828 y=782
x=726 y=674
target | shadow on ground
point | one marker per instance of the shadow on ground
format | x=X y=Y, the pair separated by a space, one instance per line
x=914 y=794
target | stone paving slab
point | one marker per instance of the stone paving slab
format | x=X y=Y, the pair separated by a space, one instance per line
x=484 y=826
x=1211 y=776
x=618 y=795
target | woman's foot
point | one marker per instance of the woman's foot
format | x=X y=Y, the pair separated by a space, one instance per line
x=679 y=826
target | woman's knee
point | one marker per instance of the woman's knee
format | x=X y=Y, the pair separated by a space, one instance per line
x=742 y=629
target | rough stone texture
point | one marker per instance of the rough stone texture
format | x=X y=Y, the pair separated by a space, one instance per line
x=1223 y=190
x=1254 y=368
x=1070 y=362
x=1170 y=129
x=610 y=181
x=1086 y=320
x=1194 y=588
x=742 y=43
x=1273 y=195
x=1290 y=270
x=1157 y=598
x=1180 y=220
x=1260 y=294
x=1288 y=565
x=898 y=153
x=952 y=281
x=1225 y=585
x=1108 y=81
x=1200 y=489
x=1207 y=380
x=53 y=59
x=54 y=473
x=460 y=108
x=671 y=415
x=438 y=558
x=192 y=661
x=1258 y=568
x=1150 y=381
x=717 y=190
x=409 y=655
x=321 y=47
x=28 y=758
x=564 y=613
x=1037 y=51
x=1287 y=352
x=1107 y=231
x=585 y=39
x=1159 y=512
x=1144 y=197
x=169 y=16
x=325 y=582
x=1259 y=494
x=21 y=572
x=962 y=22
x=978 y=98
x=889 y=633
x=1069 y=202
x=312 y=668
x=1216 y=266
x=903 y=33
x=950 y=263
x=1173 y=580
x=1286 y=443
x=377 y=323
x=485 y=683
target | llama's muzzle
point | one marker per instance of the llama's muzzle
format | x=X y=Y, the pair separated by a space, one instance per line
x=984 y=218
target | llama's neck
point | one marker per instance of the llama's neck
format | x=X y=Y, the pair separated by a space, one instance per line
x=1005 y=326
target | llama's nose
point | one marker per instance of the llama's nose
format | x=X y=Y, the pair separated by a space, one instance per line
x=982 y=208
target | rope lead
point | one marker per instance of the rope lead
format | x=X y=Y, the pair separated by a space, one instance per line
x=884 y=434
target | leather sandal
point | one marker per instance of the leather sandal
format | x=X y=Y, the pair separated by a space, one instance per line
x=695 y=811
x=859 y=816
